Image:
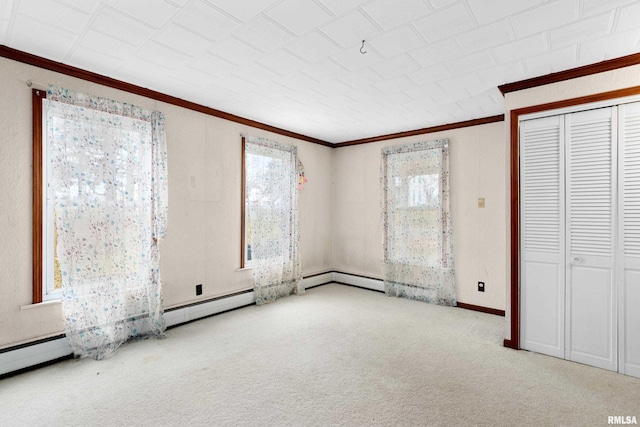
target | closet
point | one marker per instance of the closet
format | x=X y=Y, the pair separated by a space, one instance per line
x=580 y=235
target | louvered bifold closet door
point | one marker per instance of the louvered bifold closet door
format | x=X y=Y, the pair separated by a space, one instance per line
x=542 y=242
x=629 y=238
x=591 y=322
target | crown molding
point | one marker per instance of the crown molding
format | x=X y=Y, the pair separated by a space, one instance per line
x=586 y=70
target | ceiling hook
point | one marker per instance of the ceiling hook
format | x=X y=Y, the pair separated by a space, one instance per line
x=362 y=47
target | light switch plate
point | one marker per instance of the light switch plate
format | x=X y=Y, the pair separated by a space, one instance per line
x=481 y=202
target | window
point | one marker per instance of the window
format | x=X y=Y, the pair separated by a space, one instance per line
x=100 y=208
x=415 y=211
x=270 y=234
x=104 y=182
x=266 y=196
x=418 y=252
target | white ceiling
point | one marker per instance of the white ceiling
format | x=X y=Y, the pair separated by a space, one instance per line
x=296 y=64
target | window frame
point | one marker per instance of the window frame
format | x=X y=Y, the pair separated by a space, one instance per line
x=37 y=212
x=45 y=270
x=389 y=210
x=244 y=209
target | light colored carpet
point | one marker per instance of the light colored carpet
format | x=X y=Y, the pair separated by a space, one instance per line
x=335 y=356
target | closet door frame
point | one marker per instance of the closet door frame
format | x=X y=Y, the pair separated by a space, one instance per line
x=605 y=99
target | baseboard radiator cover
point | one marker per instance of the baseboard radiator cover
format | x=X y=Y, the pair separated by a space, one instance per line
x=44 y=351
x=20 y=358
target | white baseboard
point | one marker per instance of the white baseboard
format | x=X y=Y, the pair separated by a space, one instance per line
x=317 y=280
x=43 y=352
x=198 y=311
x=362 y=282
x=33 y=355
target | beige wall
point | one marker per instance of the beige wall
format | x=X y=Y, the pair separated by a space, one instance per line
x=339 y=209
x=203 y=238
x=477 y=165
x=584 y=86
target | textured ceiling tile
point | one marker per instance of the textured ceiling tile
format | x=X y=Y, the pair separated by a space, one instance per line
x=181 y=39
x=55 y=14
x=243 y=9
x=619 y=44
x=205 y=20
x=475 y=61
x=95 y=61
x=592 y=7
x=437 y=4
x=323 y=70
x=349 y=30
x=192 y=76
x=83 y=5
x=399 y=84
x=587 y=29
x=139 y=9
x=485 y=37
x=6 y=9
x=395 y=42
x=426 y=76
x=495 y=76
x=521 y=48
x=448 y=97
x=258 y=74
x=313 y=47
x=162 y=55
x=550 y=62
x=436 y=53
x=236 y=51
x=139 y=69
x=100 y=42
x=236 y=84
x=263 y=34
x=395 y=67
x=340 y=6
x=545 y=17
x=628 y=17
x=331 y=88
x=4 y=27
x=122 y=27
x=356 y=80
x=299 y=16
x=281 y=62
x=353 y=59
x=57 y=44
x=213 y=65
x=296 y=81
x=488 y=11
x=444 y=23
x=460 y=82
x=389 y=14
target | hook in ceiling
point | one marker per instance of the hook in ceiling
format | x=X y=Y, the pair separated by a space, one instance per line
x=362 y=47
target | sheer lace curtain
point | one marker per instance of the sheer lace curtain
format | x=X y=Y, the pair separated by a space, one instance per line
x=107 y=165
x=272 y=212
x=418 y=238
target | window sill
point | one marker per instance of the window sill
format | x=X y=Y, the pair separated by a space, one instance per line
x=41 y=304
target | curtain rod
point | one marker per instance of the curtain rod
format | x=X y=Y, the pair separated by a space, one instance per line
x=36 y=85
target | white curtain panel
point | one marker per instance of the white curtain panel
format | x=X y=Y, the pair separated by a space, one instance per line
x=108 y=177
x=418 y=238
x=272 y=213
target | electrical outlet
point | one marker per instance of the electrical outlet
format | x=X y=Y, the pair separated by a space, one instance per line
x=199 y=289
x=480 y=286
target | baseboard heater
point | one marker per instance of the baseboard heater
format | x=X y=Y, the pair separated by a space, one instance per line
x=16 y=359
x=27 y=356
